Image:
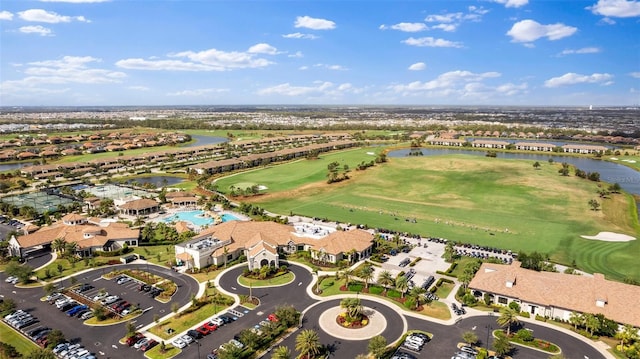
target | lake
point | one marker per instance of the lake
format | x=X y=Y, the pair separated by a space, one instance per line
x=202 y=140
x=610 y=172
x=14 y=166
x=158 y=181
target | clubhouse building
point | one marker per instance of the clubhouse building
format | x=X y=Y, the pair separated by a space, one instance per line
x=556 y=295
x=263 y=242
x=88 y=235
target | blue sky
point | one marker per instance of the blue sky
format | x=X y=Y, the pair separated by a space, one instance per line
x=384 y=52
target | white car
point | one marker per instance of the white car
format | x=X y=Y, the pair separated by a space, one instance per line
x=217 y=321
x=179 y=343
x=100 y=296
x=12 y=280
x=110 y=299
x=141 y=342
x=123 y=280
x=187 y=339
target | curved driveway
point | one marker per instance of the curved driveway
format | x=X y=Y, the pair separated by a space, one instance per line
x=445 y=337
x=102 y=339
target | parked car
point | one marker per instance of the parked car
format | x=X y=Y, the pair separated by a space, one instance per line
x=179 y=343
x=110 y=299
x=134 y=339
x=141 y=342
x=148 y=345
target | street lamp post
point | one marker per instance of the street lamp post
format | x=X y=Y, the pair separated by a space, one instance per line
x=489 y=328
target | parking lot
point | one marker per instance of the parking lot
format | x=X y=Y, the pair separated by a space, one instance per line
x=432 y=261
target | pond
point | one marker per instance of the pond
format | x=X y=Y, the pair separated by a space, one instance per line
x=610 y=172
x=158 y=181
x=202 y=140
x=14 y=166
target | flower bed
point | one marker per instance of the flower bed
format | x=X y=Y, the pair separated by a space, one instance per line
x=344 y=321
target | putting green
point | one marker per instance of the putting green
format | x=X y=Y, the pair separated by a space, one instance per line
x=488 y=201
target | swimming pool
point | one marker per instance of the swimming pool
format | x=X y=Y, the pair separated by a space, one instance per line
x=195 y=217
x=229 y=217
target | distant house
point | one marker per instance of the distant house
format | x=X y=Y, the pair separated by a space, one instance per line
x=534 y=146
x=261 y=243
x=585 y=149
x=556 y=295
x=447 y=142
x=490 y=144
x=76 y=228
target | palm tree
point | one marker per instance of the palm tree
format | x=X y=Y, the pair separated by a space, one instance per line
x=346 y=275
x=626 y=335
x=70 y=248
x=353 y=307
x=58 y=244
x=366 y=273
x=576 y=319
x=465 y=278
x=308 y=343
x=417 y=295
x=402 y=284
x=591 y=322
x=508 y=317
x=470 y=337
x=385 y=279
x=281 y=352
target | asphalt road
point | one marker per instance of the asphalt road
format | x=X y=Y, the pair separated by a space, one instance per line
x=104 y=340
x=101 y=339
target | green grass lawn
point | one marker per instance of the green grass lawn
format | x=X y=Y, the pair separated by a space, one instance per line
x=444 y=290
x=169 y=352
x=256 y=283
x=23 y=345
x=330 y=286
x=487 y=201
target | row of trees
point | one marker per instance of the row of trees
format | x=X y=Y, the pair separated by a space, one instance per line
x=415 y=297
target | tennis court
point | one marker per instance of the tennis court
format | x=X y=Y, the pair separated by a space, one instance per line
x=40 y=201
x=117 y=192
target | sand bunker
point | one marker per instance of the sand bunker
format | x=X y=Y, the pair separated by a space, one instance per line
x=610 y=237
x=262 y=188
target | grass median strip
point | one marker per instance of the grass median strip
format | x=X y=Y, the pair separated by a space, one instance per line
x=23 y=345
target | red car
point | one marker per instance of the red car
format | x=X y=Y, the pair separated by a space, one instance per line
x=203 y=330
x=272 y=318
x=150 y=344
x=134 y=339
x=211 y=326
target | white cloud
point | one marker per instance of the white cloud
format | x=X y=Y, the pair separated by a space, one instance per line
x=263 y=49
x=318 y=89
x=197 y=92
x=616 y=8
x=297 y=54
x=529 y=30
x=37 y=29
x=431 y=42
x=451 y=21
x=5 y=15
x=635 y=74
x=207 y=60
x=446 y=27
x=571 y=78
x=418 y=66
x=584 y=50
x=314 y=24
x=406 y=27
x=331 y=67
x=68 y=70
x=446 y=80
x=460 y=84
x=512 y=3
x=40 y=15
x=299 y=35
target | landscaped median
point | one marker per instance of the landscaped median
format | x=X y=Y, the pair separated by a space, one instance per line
x=201 y=310
x=329 y=286
x=525 y=338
